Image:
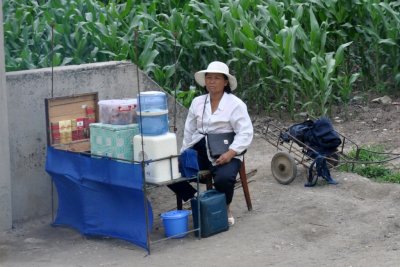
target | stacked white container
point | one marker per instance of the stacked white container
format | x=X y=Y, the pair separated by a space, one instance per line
x=157 y=142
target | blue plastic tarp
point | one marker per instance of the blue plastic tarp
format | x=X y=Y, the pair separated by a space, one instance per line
x=99 y=196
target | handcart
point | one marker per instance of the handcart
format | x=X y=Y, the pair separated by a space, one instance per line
x=292 y=152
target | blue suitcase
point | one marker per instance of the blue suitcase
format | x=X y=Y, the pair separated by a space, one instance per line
x=214 y=215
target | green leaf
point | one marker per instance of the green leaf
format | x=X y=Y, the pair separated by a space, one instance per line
x=397 y=78
x=292 y=69
x=388 y=41
x=354 y=77
x=146 y=59
x=315 y=33
x=89 y=17
x=339 y=55
x=66 y=60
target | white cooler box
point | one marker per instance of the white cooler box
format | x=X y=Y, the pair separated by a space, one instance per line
x=156 y=147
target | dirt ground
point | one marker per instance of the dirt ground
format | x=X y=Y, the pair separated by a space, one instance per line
x=354 y=223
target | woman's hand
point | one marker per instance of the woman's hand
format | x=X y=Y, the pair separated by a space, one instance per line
x=226 y=157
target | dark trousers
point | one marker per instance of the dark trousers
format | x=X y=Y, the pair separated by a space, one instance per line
x=224 y=175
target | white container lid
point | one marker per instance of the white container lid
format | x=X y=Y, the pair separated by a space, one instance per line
x=118 y=102
x=114 y=127
x=152 y=93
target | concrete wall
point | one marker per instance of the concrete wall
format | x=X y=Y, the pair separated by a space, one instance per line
x=27 y=90
x=5 y=178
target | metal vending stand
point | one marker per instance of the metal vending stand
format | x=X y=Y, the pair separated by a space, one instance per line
x=84 y=146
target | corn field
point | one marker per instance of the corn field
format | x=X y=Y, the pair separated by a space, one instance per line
x=289 y=56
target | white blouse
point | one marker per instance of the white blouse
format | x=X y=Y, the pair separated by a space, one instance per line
x=231 y=116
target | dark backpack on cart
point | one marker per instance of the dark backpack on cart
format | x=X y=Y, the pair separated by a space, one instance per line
x=319 y=140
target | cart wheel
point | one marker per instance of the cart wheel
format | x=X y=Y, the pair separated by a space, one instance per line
x=314 y=175
x=283 y=167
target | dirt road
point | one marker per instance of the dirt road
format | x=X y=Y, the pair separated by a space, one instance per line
x=355 y=223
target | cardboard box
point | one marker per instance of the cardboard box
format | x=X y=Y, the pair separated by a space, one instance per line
x=114 y=141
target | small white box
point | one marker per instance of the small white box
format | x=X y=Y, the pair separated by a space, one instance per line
x=156 y=147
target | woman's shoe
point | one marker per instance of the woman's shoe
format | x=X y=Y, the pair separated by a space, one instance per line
x=231 y=221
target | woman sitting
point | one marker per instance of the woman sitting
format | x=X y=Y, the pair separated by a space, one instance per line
x=217 y=111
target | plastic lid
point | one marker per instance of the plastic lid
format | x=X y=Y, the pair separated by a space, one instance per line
x=114 y=102
x=152 y=93
x=114 y=127
x=155 y=112
x=175 y=214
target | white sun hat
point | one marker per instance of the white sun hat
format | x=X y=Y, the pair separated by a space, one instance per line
x=215 y=67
